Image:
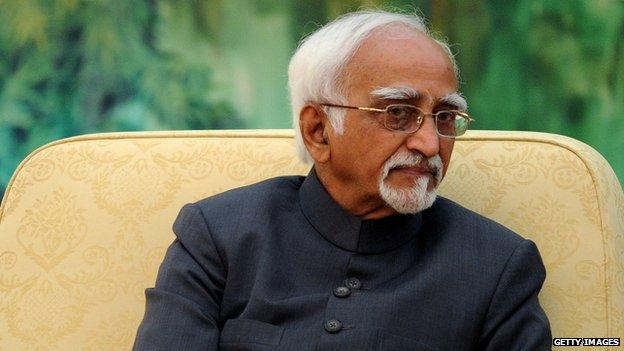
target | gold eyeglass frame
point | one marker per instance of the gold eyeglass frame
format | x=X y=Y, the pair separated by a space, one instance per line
x=419 y=122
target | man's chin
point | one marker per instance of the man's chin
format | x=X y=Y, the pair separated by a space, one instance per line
x=413 y=207
x=409 y=200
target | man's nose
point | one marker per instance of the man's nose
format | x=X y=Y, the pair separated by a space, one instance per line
x=425 y=140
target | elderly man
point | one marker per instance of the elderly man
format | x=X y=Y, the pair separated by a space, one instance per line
x=360 y=254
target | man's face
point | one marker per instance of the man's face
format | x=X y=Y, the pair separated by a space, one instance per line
x=377 y=166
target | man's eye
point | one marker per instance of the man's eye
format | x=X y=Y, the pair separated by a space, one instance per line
x=398 y=118
x=446 y=117
x=398 y=111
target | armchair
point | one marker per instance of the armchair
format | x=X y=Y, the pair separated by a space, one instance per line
x=85 y=222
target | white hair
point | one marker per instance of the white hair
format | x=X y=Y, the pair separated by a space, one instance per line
x=318 y=63
x=417 y=197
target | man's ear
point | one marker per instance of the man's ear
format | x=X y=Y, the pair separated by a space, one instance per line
x=314 y=126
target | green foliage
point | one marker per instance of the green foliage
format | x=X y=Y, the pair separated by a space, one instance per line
x=70 y=67
x=549 y=66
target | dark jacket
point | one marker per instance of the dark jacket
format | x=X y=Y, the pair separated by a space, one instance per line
x=279 y=265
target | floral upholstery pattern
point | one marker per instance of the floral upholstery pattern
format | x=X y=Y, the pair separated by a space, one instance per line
x=85 y=222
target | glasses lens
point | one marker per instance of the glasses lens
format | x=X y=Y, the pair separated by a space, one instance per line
x=451 y=124
x=461 y=125
x=445 y=122
x=401 y=118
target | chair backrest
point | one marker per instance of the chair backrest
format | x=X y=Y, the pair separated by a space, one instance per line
x=85 y=222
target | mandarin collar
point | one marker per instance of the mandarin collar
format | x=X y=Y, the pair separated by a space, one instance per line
x=349 y=231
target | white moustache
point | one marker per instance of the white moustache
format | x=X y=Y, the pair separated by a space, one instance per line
x=432 y=164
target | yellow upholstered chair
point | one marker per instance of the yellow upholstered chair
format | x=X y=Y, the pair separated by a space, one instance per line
x=85 y=222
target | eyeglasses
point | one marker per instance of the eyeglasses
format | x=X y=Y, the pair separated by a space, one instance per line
x=408 y=118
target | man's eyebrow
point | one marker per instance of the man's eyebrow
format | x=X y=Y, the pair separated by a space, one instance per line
x=456 y=100
x=394 y=93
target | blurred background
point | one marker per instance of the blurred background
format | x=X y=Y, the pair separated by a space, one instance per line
x=70 y=67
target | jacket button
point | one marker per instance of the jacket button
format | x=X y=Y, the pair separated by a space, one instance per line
x=333 y=326
x=342 y=291
x=353 y=283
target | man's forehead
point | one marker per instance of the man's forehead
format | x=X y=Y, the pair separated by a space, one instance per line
x=394 y=40
x=417 y=59
x=409 y=93
x=397 y=33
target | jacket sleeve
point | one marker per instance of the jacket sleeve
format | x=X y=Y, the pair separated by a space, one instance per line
x=515 y=319
x=182 y=310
